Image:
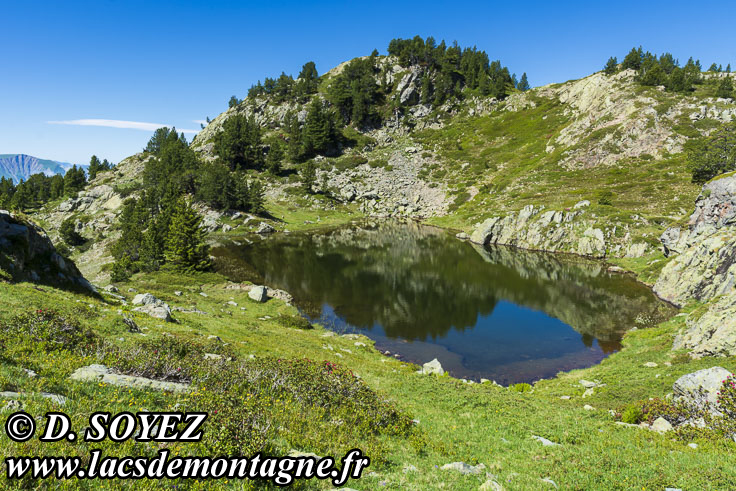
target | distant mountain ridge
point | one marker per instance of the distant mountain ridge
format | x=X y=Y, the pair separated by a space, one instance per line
x=20 y=166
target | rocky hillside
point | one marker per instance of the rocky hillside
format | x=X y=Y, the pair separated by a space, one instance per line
x=702 y=269
x=605 y=140
x=27 y=254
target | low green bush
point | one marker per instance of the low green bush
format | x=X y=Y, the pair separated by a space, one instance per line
x=522 y=387
x=632 y=415
x=294 y=321
x=46 y=331
x=605 y=198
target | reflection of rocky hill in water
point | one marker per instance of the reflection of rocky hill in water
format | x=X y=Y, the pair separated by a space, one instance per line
x=418 y=281
x=579 y=292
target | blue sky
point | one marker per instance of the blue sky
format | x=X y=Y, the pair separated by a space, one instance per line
x=174 y=63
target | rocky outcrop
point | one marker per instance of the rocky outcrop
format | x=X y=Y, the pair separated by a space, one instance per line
x=573 y=231
x=713 y=333
x=703 y=271
x=611 y=120
x=27 y=254
x=408 y=88
x=98 y=198
x=704 y=268
x=715 y=209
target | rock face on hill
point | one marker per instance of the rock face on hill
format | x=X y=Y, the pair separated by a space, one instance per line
x=27 y=254
x=704 y=269
x=573 y=230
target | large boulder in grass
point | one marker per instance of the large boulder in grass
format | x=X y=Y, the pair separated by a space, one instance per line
x=258 y=293
x=700 y=388
x=145 y=299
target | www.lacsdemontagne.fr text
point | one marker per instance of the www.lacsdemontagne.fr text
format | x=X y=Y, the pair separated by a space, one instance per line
x=280 y=470
x=161 y=427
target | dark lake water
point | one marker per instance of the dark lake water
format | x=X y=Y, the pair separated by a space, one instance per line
x=484 y=312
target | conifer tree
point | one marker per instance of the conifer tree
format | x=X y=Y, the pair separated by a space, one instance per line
x=69 y=234
x=239 y=143
x=21 y=199
x=274 y=158
x=294 y=132
x=318 y=130
x=185 y=242
x=523 y=83
x=151 y=249
x=74 y=180
x=633 y=59
x=57 y=187
x=725 y=88
x=611 y=66
x=426 y=89
x=95 y=166
x=308 y=79
x=309 y=176
x=255 y=197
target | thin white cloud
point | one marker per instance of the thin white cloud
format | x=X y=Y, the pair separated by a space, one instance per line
x=116 y=123
x=201 y=121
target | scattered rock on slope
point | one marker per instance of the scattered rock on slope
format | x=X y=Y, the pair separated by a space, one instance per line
x=101 y=373
x=152 y=306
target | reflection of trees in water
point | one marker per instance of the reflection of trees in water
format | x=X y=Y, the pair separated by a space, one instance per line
x=418 y=281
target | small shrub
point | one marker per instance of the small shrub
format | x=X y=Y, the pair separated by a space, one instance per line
x=727 y=397
x=681 y=358
x=125 y=191
x=68 y=232
x=46 y=330
x=294 y=321
x=63 y=249
x=165 y=358
x=632 y=415
x=349 y=162
x=522 y=387
x=605 y=198
x=460 y=199
x=378 y=163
